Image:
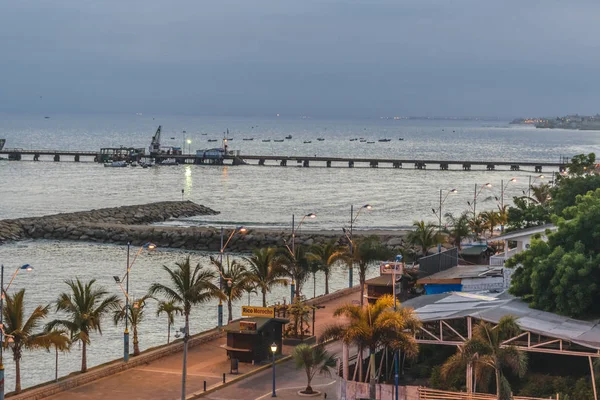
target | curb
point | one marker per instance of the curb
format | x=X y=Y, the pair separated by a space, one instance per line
x=219 y=386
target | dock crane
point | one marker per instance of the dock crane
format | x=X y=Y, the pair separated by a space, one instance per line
x=155 y=145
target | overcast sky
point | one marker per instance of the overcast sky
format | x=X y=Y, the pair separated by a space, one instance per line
x=303 y=57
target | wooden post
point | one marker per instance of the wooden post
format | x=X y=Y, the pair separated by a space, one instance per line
x=593 y=378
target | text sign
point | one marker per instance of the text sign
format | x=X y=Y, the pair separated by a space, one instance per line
x=251 y=311
x=391 y=268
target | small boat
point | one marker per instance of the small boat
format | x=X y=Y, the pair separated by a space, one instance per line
x=320 y=139
x=370 y=142
x=47 y=117
x=228 y=138
x=362 y=140
x=212 y=140
x=116 y=164
x=352 y=140
x=204 y=134
x=307 y=141
x=168 y=161
x=401 y=138
x=134 y=164
x=385 y=140
x=146 y=164
x=266 y=140
x=251 y=138
x=278 y=140
x=288 y=137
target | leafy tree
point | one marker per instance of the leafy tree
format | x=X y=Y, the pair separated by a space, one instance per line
x=582 y=164
x=135 y=317
x=235 y=281
x=171 y=309
x=85 y=305
x=264 y=271
x=489 y=356
x=365 y=252
x=373 y=326
x=458 y=228
x=565 y=192
x=424 y=236
x=314 y=360
x=326 y=255
x=20 y=332
x=527 y=215
x=562 y=274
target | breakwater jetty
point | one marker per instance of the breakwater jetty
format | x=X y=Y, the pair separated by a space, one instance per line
x=284 y=161
x=121 y=225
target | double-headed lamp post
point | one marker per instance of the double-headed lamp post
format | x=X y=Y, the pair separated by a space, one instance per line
x=476 y=195
x=293 y=249
x=25 y=267
x=241 y=230
x=352 y=221
x=274 y=350
x=118 y=280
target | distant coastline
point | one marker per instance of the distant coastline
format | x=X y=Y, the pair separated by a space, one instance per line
x=578 y=122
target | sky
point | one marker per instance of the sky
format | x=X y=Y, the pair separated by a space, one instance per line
x=346 y=58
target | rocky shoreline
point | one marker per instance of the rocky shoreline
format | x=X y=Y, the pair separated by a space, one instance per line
x=121 y=225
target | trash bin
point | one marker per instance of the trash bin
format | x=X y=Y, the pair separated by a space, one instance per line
x=234 y=366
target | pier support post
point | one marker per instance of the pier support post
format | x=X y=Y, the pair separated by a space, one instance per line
x=305 y=163
x=328 y=164
x=514 y=167
x=491 y=167
x=76 y=157
x=261 y=161
x=420 y=165
x=36 y=157
x=444 y=166
x=57 y=157
x=466 y=167
x=283 y=163
x=350 y=164
x=374 y=164
x=538 y=168
x=397 y=165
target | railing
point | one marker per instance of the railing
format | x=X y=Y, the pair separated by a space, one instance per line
x=499 y=259
x=432 y=394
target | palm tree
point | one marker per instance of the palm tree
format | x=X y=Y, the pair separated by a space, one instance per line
x=296 y=265
x=264 y=271
x=373 y=326
x=20 y=333
x=539 y=194
x=503 y=216
x=134 y=317
x=489 y=356
x=313 y=360
x=190 y=287
x=235 y=281
x=326 y=255
x=62 y=345
x=459 y=228
x=424 y=236
x=171 y=309
x=490 y=220
x=85 y=306
x=366 y=251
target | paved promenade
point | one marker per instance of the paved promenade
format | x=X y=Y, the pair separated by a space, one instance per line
x=161 y=379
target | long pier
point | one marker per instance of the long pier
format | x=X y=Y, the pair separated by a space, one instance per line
x=304 y=161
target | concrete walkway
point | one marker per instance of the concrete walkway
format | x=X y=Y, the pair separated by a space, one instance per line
x=161 y=379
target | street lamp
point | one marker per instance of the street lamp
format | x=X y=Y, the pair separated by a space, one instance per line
x=293 y=249
x=189 y=142
x=531 y=184
x=239 y=229
x=274 y=350
x=24 y=267
x=476 y=195
x=147 y=246
x=502 y=190
x=352 y=221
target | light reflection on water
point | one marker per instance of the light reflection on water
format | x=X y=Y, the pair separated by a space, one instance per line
x=57 y=261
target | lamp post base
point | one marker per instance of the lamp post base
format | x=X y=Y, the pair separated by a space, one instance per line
x=126 y=346
x=350 y=280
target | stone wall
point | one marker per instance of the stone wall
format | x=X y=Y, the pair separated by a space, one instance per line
x=349 y=390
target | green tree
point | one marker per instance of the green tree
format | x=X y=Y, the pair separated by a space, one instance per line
x=366 y=251
x=326 y=255
x=20 y=332
x=582 y=164
x=489 y=356
x=562 y=274
x=264 y=271
x=424 y=236
x=314 y=360
x=490 y=220
x=458 y=228
x=171 y=309
x=526 y=215
x=85 y=306
x=564 y=194
x=235 y=281
x=135 y=316
x=374 y=326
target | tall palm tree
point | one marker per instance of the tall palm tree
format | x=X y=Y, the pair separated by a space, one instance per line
x=264 y=271
x=489 y=356
x=373 y=326
x=190 y=286
x=20 y=332
x=366 y=251
x=424 y=236
x=326 y=255
x=539 y=194
x=296 y=266
x=235 y=281
x=85 y=306
x=503 y=216
x=314 y=360
x=458 y=228
x=490 y=220
x=135 y=317
x=171 y=309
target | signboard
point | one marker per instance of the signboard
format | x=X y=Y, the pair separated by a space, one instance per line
x=251 y=311
x=247 y=326
x=388 y=268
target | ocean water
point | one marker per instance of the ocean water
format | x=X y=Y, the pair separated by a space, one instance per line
x=249 y=195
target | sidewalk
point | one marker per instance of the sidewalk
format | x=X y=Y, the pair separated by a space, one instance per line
x=161 y=379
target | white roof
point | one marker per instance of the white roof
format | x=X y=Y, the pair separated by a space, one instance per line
x=526 y=232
